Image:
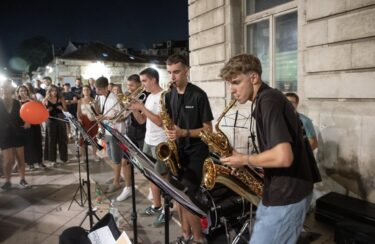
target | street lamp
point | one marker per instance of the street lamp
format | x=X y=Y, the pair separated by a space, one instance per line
x=2 y=78
x=95 y=70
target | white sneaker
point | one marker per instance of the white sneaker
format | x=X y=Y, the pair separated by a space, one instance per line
x=125 y=194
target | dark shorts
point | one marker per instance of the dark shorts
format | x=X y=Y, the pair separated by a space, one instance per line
x=12 y=140
x=139 y=143
x=192 y=165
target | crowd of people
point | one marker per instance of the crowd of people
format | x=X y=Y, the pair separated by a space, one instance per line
x=280 y=129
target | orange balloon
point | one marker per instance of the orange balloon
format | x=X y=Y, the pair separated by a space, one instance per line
x=34 y=113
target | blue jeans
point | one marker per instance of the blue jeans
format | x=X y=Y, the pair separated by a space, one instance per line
x=279 y=224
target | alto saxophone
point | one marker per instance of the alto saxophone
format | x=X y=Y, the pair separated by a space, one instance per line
x=167 y=151
x=246 y=182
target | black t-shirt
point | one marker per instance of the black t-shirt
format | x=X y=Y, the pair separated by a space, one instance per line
x=277 y=122
x=77 y=91
x=55 y=111
x=72 y=108
x=41 y=91
x=189 y=111
x=135 y=130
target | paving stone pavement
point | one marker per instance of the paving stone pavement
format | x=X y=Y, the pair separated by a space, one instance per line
x=40 y=214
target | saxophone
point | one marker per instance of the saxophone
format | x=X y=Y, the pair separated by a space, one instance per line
x=246 y=182
x=167 y=151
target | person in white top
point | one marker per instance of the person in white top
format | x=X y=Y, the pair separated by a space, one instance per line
x=109 y=107
x=154 y=135
x=86 y=116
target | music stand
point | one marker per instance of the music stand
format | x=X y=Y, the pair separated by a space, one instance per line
x=237 y=117
x=88 y=140
x=146 y=166
x=80 y=188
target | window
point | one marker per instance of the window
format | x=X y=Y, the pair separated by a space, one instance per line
x=273 y=39
x=255 y=6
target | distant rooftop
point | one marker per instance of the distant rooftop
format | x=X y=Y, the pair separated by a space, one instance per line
x=100 y=52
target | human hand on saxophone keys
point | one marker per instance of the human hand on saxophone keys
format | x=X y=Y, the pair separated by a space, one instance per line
x=172 y=132
x=236 y=160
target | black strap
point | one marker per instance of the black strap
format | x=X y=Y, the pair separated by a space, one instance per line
x=106 y=97
x=316 y=177
x=252 y=132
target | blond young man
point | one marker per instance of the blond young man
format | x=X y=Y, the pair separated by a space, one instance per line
x=288 y=175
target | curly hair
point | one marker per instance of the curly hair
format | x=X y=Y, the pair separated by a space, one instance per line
x=241 y=64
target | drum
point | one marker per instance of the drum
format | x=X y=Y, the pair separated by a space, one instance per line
x=222 y=204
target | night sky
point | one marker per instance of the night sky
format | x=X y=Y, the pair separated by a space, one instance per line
x=134 y=23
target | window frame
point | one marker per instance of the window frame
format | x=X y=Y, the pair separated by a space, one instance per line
x=270 y=14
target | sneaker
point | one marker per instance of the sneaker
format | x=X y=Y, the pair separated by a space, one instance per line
x=7 y=186
x=112 y=188
x=23 y=184
x=160 y=220
x=31 y=167
x=151 y=211
x=201 y=241
x=182 y=240
x=42 y=165
x=125 y=194
x=55 y=164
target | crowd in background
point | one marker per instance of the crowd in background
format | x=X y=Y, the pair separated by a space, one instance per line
x=37 y=146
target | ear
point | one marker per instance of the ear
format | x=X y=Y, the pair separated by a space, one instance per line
x=187 y=69
x=254 y=78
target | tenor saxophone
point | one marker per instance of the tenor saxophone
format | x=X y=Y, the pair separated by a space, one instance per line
x=168 y=151
x=245 y=182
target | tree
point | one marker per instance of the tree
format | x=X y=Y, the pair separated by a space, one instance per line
x=36 y=51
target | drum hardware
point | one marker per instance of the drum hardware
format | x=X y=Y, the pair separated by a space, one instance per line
x=248 y=225
x=224 y=221
x=228 y=212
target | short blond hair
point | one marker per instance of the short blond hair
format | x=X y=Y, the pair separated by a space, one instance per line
x=241 y=64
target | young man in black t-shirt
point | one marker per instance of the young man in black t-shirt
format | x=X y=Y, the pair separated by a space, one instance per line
x=135 y=130
x=77 y=90
x=288 y=178
x=190 y=111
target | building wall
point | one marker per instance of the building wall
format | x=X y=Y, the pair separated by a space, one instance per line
x=337 y=73
x=336 y=79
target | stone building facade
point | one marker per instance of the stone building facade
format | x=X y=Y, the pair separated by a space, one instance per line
x=332 y=60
